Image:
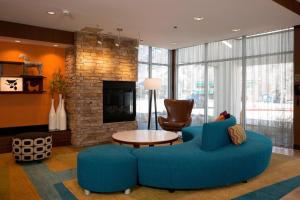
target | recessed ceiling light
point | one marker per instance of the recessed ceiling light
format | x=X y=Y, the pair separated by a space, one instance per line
x=17 y=41
x=173 y=43
x=66 y=12
x=236 y=29
x=51 y=12
x=198 y=18
x=55 y=45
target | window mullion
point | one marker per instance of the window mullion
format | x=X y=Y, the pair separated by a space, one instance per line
x=205 y=83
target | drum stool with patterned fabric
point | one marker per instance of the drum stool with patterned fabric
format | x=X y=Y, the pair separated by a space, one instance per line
x=32 y=146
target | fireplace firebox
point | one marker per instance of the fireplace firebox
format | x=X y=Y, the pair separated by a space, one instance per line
x=119 y=101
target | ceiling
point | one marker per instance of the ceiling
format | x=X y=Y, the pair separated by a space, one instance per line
x=155 y=19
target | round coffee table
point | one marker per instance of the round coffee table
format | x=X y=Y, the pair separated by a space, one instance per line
x=145 y=137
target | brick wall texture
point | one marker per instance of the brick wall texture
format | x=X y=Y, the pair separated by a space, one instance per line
x=87 y=65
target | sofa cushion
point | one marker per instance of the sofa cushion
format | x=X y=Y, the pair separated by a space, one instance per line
x=215 y=134
x=237 y=134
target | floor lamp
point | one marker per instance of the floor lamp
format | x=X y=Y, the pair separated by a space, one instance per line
x=152 y=84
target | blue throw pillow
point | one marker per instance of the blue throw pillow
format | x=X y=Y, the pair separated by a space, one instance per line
x=215 y=134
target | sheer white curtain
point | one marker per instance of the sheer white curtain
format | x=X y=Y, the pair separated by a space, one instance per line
x=191 y=86
x=269 y=92
x=225 y=74
x=227 y=79
x=268 y=82
x=191 y=78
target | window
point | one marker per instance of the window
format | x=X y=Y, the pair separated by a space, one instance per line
x=153 y=63
x=269 y=86
x=191 y=86
x=254 y=73
x=191 y=77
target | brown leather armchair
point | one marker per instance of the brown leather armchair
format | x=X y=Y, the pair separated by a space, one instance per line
x=179 y=114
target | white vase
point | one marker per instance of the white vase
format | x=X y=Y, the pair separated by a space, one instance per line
x=63 y=117
x=52 y=117
x=58 y=112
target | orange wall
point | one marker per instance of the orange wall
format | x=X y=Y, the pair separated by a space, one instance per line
x=29 y=109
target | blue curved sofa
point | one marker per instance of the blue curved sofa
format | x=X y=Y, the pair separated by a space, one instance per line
x=205 y=159
x=189 y=166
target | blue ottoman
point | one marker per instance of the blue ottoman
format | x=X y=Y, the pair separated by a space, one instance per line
x=107 y=168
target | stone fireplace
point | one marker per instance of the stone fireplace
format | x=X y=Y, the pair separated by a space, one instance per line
x=88 y=64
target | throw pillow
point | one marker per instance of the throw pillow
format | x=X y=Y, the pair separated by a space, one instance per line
x=220 y=118
x=225 y=114
x=237 y=134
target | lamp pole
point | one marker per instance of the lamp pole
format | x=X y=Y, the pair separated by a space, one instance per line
x=149 y=111
x=152 y=84
x=150 y=108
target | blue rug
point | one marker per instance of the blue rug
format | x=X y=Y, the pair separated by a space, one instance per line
x=273 y=192
x=49 y=184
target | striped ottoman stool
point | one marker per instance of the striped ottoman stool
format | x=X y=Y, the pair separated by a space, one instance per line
x=32 y=146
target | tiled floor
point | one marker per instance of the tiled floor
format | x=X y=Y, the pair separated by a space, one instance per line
x=287 y=152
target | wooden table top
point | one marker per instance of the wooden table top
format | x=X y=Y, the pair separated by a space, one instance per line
x=145 y=137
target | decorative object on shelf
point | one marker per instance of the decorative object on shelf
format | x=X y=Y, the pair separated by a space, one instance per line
x=52 y=117
x=52 y=114
x=32 y=86
x=63 y=117
x=58 y=109
x=33 y=83
x=59 y=86
x=14 y=84
x=152 y=84
x=30 y=64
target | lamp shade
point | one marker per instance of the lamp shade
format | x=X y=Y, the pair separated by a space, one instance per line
x=152 y=83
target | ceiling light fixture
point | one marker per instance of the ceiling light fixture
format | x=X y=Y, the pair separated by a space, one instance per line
x=173 y=43
x=138 y=41
x=198 y=18
x=17 y=41
x=100 y=36
x=51 y=12
x=236 y=29
x=117 y=44
x=227 y=44
x=55 y=45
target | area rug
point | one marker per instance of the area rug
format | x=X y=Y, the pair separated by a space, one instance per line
x=55 y=178
x=273 y=192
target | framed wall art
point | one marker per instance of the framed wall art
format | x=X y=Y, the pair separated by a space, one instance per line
x=11 y=84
